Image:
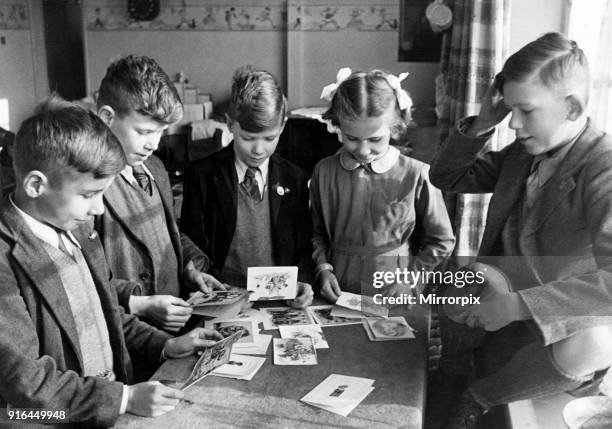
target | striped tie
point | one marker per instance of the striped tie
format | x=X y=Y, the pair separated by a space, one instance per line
x=250 y=183
x=142 y=178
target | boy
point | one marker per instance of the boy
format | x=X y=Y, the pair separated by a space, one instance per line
x=141 y=239
x=245 y=205
x=549 y=228
x=63 y=337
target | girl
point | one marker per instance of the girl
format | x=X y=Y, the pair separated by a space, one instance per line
x=368 y=199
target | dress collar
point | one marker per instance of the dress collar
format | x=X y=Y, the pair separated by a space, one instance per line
x=379 y=165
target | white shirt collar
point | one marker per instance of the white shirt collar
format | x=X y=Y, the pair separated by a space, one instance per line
x=44 y=231
x=261 y=176
x=128 y=174
x=379 y=165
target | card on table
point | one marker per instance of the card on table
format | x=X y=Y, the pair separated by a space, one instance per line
x=305 y=331
x=322 y=315
x=277 y=316
x=260 y=348
x=249 y=328
x=294 y=351
x=339 y=394
x=272 y=283
x=390 y=329
x=362 y=303
x=241 y=367
x=211 y=358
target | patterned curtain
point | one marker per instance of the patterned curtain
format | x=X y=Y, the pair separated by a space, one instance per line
x=472 y=54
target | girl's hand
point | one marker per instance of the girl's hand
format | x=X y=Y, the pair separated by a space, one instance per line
x=304 y=296
x=329 y=286
x=492 y=111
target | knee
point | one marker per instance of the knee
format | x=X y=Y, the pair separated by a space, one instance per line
x=585 y=352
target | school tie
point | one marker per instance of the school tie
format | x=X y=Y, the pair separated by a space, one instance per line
x=532 y=184
x=60 y=242
x=250 y=183
x=142 y=178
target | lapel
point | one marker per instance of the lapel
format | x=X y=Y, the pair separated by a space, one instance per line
x=275 y=179
x=225 y=182
x=94 y=256
x=561 y=184
x=509 y=188
x=40 y=269
x=120 y=209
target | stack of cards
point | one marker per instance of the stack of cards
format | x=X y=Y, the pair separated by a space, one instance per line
x=277 y=316
x=221 y=304
x=240 y=367
x=363 y=304
x=305 y=331
x=212 y=357
x=294 y=351
x=272 y=283
x=390 y=329
x=322 y=314
x=339 y=394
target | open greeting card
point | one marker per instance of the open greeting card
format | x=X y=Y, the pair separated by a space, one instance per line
x=240 y=367
x=272 y=283
x=362 y=303
x=294 y=351
x=218 y=304
x=212 y=357
x=339 y=394
x=249 y=328
x=305 y=331
x=390 y=329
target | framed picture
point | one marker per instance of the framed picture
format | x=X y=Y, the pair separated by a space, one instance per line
x=417 y=41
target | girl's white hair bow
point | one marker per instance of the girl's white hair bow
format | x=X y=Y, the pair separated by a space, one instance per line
x=403 y=99
x=329 y=90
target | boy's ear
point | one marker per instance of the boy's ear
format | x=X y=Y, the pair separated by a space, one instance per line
x=107 y=114
x=35 y=183
x=229 y=121
x=575 y=107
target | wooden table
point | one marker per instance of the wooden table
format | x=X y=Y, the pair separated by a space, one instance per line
x=271 y=398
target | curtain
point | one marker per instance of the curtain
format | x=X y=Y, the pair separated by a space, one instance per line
x=591 y=26
x=472 y=54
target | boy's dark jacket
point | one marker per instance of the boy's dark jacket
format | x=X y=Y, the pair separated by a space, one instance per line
x=209 y=210
x=40 y=359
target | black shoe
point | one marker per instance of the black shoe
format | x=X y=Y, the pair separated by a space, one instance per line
x=465 y=413
x=443 y=391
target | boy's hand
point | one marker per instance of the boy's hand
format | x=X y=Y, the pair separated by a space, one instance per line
x=190 y=343
x=304 y=296
x=202 y=281
x=494 y=314
x=166 y=311
x=152 y=399
x=492 y=111
x=329 y=286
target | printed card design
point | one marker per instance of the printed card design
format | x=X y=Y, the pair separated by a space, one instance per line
x=322 y=314
x=250 y=331
x=362 y=303
x=272 y=283
x=305 y=331
x=211 y=358
x=259 y=348
x=390 y=329
x=278 y=316
x=294 y=351
x=339 y=394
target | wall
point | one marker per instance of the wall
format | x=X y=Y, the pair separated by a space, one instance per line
x=23 y=79
x=532 y=18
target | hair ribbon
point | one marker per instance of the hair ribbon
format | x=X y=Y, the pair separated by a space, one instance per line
x=403 y=99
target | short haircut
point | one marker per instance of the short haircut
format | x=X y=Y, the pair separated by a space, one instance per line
x=139 y=84
x=369 y=94
x=556 y=60
x=62 y=137
x=257 y=102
